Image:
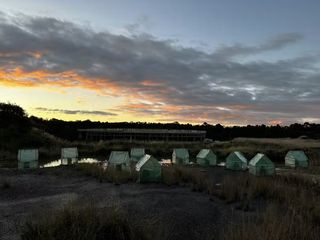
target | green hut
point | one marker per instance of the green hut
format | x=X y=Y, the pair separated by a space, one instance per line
x=180 y=156
x=136 y=154
x=206 y=158
x=28 y=158
x=119 y=160
x=296 y=159
x=236 y=161
x=69 y=155
x=261 y=165
x=149 y=169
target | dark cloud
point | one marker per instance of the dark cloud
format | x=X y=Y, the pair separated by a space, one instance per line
x=72 y=112
x=180 y=76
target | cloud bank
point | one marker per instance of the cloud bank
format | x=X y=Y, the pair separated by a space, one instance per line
x=71 y=112
x=158 y=77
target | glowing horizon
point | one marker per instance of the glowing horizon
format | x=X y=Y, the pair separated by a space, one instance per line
x=55 y=66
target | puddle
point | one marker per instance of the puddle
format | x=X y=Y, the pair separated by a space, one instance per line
x=59 y=162
x=222 y=164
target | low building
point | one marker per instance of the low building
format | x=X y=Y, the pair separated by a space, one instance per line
x=136 y=154
x=119 y=161
x=261 y=165
x=236 y=161
x=206 y=158
x=129 y=134
x=28 y=158
x=149 y=169
x=180 y=156
x=296 y=159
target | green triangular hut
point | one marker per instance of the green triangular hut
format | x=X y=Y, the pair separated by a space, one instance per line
x=296 y=159
x=261 y=165
x=236 y=161
x=180 y=156
x=149 y=169
x=136 y=154
x=28 y=158
x=119 y=161
x=206 y=158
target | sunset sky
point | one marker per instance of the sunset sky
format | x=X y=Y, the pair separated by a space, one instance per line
x=234 y=62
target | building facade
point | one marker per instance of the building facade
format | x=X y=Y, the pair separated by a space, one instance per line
x=141 y=135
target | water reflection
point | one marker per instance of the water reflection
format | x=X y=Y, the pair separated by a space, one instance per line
x=63 y=162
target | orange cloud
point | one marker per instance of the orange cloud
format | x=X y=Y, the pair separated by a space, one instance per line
x=275 y=122
x=150 y=83
x=18 y=77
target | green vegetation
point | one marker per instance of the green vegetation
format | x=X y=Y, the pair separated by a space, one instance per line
x=82 y=222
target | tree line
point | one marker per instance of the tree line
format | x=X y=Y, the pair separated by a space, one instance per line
x=14 y=121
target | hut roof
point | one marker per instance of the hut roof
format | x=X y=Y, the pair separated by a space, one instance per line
x=298 y=155
x=28 y=155
x=240 y=156
x=181 y=152
x=118 y=157
x=144 y=160
x=259 y=157
x=203 y=153
x=137 y=152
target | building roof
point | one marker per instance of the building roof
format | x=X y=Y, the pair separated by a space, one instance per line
x=135 y=130
x=259 y=157
x=203 y=153
x=298 y=155
x=181 y=152
x=118 y=157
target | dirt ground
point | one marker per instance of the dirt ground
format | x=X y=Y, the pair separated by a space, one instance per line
x=176 y=212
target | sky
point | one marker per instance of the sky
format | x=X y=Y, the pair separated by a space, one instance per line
x=233 y=62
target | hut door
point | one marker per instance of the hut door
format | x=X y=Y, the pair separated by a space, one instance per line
x=263 y=171
x=146 y=174
x=236 y=166
x=118 y=167
x=26 y=165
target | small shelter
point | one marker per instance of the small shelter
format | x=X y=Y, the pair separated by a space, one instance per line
x=28 y=158
x=136 y=154
x=206 y=158
x=149 y=169
x=296 y=159
x=236 y=161
x=119 y=160
x=261 y=165
x=69 y=155
x=180 y=156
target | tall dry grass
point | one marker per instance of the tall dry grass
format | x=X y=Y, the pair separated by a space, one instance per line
x=82 y=221
x=109 y=174
x=293 y=199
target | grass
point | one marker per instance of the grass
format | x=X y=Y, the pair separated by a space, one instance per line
x=82 y=222
x=293 y=200
x=109 y=174
x=273 y=224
